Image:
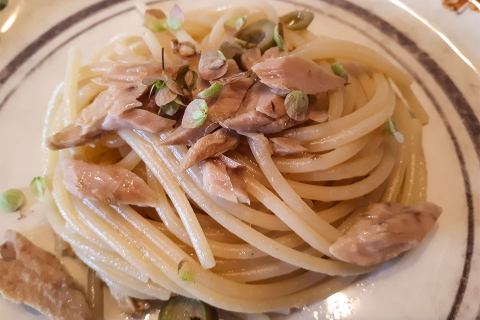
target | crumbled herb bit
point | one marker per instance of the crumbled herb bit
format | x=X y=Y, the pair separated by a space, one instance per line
x=195 y=114
x=155 y=20
x=296 y=105
x=158 y=84
x=38 y=186
x=338 y=69
x=11 y=200
x=186 y=272
x=175 y=18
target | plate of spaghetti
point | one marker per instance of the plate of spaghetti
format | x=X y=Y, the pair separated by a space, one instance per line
x=238 y=160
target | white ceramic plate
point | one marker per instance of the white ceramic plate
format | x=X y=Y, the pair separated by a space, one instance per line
x=436 y=281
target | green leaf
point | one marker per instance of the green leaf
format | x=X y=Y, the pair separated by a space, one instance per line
x=11 y=200
x=187 y=276
x=155 y=86
x=186 y=272
x=392 y=129
x=222 y=56
x=175 y=18
x=155 y=20
x=195 y=114
x=158 y=84
x=38 y=186
x=296 y=105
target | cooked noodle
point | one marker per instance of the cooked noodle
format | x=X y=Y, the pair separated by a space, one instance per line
x=264 y=256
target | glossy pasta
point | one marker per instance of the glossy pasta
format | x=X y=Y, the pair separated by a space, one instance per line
x=274 y=253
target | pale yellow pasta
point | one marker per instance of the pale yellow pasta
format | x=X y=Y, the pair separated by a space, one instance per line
x=269 y=254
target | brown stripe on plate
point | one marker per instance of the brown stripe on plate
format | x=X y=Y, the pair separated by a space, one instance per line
x=50 y=34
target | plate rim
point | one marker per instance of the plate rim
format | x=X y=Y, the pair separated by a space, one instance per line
x=463 y=108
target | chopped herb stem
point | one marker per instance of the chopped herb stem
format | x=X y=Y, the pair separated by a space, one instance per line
x=195 y=114
x=186 y=272
x=278 y=37
x=392 y=129
x=175 y=18
x=212 y=91
x=222 y=56
x=155 y=20
x=156 y=86
x=296 y=105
